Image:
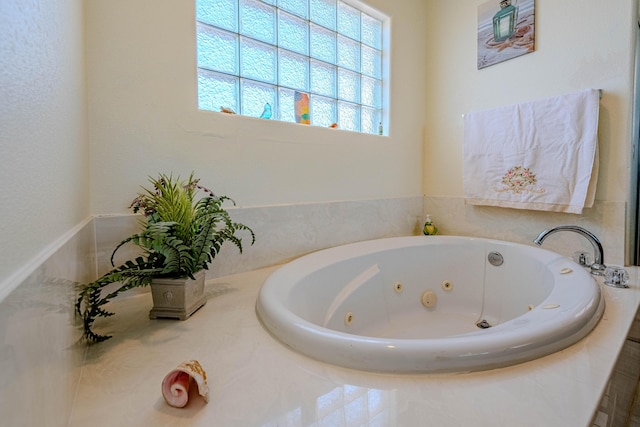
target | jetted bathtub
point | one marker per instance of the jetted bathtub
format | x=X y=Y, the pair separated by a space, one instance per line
x=430 y=304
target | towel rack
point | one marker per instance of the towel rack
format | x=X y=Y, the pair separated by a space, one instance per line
x=599 y=96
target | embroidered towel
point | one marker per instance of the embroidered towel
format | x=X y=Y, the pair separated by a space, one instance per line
x=540 y=155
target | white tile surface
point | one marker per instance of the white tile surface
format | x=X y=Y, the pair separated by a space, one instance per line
x=606 y=220
x=284 y=232
x=40 y=361
x=257 y=381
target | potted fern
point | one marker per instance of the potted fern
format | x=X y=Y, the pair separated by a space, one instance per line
x=179 y=236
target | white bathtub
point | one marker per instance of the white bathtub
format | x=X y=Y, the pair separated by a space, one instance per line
x=412 y=304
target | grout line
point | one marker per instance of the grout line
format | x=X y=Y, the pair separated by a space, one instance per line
x=75 y=397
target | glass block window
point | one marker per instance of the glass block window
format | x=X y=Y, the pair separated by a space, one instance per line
x=321 y=60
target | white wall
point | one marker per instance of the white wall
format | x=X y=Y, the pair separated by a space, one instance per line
x=143 y=118
x=579 y=44
x=43 y=137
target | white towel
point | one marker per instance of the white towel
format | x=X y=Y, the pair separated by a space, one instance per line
x=540 y=155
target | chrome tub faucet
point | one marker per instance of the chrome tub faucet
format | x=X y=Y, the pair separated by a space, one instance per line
x=598 y=267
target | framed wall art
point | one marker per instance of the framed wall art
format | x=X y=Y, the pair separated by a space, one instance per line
x=506 y=30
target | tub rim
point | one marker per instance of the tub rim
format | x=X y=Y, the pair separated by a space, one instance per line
x=534 y=334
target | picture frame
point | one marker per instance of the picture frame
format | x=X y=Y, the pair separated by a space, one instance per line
x=506 y=30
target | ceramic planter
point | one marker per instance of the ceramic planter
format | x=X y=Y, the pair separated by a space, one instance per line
x=177 y=298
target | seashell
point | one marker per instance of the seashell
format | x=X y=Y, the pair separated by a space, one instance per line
x=175 y=385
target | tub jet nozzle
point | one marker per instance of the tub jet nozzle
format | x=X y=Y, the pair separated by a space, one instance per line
x=483 y=324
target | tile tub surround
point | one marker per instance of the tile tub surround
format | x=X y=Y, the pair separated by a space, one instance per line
x=255 y=380
x=40 y=354
x=606 y=220
x=620 y=404
x=283 y=232
x=40 y=359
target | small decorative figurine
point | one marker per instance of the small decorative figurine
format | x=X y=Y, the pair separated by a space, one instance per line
x=266 y=113
x=301 y=105
x=429 y=229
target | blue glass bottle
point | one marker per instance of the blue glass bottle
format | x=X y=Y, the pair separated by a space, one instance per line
x=504 y=21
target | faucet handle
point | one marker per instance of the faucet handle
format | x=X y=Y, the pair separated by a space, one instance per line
x=617 y=277
x=582 y=258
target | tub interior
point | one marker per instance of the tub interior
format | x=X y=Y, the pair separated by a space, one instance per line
x=379 y=294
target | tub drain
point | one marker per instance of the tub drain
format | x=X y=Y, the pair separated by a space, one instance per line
x=483 y=324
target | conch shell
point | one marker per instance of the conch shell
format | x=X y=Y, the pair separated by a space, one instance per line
x=175 y=385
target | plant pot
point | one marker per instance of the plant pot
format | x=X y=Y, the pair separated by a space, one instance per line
x=177 y=298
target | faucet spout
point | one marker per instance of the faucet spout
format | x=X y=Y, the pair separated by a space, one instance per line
x=597 y=268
